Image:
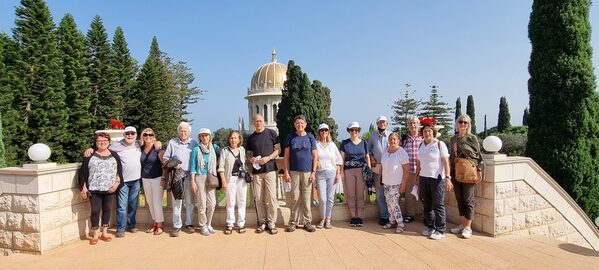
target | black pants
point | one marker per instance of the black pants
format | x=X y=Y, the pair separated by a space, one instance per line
x=464 y=195
x=101 y=202
x=432 y=193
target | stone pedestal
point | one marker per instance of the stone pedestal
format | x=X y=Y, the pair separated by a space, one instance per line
x=40 y=209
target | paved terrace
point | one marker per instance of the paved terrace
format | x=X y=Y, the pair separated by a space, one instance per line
x=342 y=247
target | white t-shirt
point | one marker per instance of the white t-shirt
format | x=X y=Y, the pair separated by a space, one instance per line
x=328 y=157
x=130 y=159
x=392 y=166
x=431 y=164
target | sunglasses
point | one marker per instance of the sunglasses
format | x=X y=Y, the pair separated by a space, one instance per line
x=323 y=130
x=148 y=134
x=354 y=130
x=462 y=122
x=130 y=133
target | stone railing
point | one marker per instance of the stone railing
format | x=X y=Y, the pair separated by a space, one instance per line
x=40 y=210
x=518 y=198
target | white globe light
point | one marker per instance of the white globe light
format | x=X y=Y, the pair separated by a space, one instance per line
x=492 y=144
x=39 y=152
x=597 y=221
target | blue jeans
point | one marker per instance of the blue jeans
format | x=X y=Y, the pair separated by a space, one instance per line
x=127 y=202
x=325 y=183
x=380 y=198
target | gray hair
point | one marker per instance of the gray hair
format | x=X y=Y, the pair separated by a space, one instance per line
x=413 y=118
x=464 y=117
x=184 y=125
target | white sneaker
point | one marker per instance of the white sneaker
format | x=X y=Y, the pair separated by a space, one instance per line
x=437 y=235
x=210 y=229
x=466 y=233
x=204 y=231
x=457 y=229
x=427 y=231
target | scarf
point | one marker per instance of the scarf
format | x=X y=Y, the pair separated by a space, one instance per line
x=209 y=149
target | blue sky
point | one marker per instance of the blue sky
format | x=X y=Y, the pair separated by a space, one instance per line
x=364 y=51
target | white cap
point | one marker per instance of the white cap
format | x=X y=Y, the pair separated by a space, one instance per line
x=323 y=126
x=205 y=131
x=353 y=125
x=130 y=128
x=381 y=118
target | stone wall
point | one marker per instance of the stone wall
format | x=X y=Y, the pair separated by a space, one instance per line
x=40 y=209
x=518 y=198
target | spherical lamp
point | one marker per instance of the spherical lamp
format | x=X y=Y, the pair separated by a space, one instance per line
x=39 y=152
x=492 y=144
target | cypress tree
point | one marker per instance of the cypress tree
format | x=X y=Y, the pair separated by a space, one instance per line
x=2 y=158
x=438 y=109
x=11 y=89
x=563 y=134
x=106 y=98
x=458 y=108
x=404 y=107
x=485 y=130
x=125 y=67
x=43 y=107
x=503 y=120
x=71 y=44
x=298 y=98
x=152 y=102
x=471 y=112
x=525 y=117
x=323 y=115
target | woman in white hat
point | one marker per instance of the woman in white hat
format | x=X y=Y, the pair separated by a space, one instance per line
x=328 y=174
x=203 y=162
x=355 y=157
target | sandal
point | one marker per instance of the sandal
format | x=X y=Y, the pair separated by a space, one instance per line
x=408 y=219
x=158 y=231
x=105 y=238
x=272 y=230
x=242 y=229
x=260 y=228
x=93 y=241
x=229 y=230
x=151 y=230
x=388 y=226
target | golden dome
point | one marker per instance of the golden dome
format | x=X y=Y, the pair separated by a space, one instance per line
x=269 y=76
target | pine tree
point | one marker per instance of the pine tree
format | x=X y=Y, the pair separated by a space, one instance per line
x=71 y=44
x=126 y=69
x=471 y=112
x=404 y=107
x=11 y=90
x=525 y=117
x=152 y=101
x=563 y=134
x=503 y=120
x=106 y=98
x=43 y=107
x=458 y=108
x=181 y=84
x=298 y=98
x=438 y=109
x=2 y=158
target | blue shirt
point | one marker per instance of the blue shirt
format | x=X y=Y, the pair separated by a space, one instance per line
x=300 y=151
x=355 y=154
x=180 y=150
x=377 y=144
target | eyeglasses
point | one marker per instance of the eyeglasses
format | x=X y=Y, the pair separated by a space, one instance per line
x=130 y=133
x=354 y=130
x=323 y=130
x=462 y=122
x=101 y=141
x=148 y=135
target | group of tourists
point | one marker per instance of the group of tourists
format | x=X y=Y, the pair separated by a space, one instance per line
x=417 y=163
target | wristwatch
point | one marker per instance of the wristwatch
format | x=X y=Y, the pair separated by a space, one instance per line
x=448 y=177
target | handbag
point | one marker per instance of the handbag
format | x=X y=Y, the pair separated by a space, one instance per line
x=212 y=181
x=465 y=171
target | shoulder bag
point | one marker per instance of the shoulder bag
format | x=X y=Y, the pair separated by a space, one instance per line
x=465 y=171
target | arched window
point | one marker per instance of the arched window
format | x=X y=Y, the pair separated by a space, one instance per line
x=274 y=111
x=265 y=114
x=257 y=109
x=251 y=113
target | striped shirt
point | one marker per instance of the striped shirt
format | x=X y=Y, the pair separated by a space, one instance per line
x=411 y=145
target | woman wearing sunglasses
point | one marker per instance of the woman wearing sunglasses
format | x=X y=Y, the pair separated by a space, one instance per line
x=328 y=174
x=151 y=172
